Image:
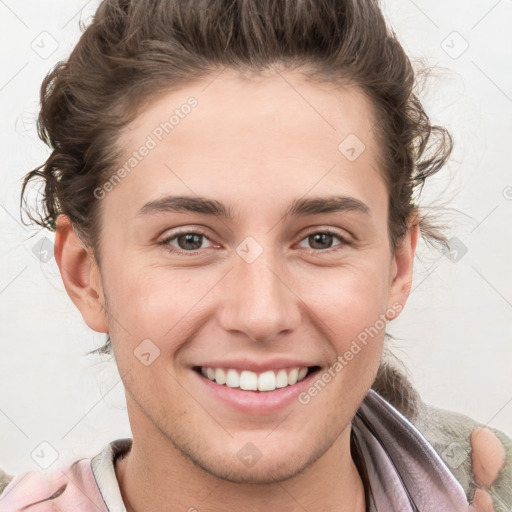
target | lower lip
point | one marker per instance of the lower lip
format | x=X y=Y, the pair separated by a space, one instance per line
x=256 y=402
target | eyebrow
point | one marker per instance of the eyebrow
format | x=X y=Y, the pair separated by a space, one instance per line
x=299 y=207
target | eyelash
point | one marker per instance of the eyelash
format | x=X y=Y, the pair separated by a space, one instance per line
x=179 y=252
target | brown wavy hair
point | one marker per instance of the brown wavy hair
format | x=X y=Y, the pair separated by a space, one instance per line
x=133 y=51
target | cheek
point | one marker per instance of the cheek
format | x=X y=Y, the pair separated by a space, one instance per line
x=156 y=303
x=349 y=300
x=352 y=308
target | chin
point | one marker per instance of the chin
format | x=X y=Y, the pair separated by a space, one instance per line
x=249 y=465
x=262 y=473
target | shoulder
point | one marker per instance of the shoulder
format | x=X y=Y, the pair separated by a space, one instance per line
x=69 y=487
x=28 y=488
x=479 y=456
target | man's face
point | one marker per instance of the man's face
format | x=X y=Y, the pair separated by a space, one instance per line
x=258 y=292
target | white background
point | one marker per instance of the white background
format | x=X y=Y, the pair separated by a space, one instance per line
x=456 y=331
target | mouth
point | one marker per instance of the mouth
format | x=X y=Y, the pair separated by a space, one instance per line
x=256 y=382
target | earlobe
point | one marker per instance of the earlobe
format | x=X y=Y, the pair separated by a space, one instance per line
x=80 y=275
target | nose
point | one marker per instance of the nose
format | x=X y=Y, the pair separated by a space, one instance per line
x=258 y=299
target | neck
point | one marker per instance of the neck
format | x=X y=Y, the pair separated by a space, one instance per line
x=155 y=477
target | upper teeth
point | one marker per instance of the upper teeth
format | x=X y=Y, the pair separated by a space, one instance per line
x=266 y=381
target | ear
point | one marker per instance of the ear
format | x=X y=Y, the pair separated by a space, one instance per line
x=80 y=275
x=402 y=266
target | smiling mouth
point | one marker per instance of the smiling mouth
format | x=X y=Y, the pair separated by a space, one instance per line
x=256 y=382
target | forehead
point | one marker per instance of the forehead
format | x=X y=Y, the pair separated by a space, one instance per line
x=276 y=131
x=286 y=102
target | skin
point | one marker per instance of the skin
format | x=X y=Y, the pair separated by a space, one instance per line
x=255 y=144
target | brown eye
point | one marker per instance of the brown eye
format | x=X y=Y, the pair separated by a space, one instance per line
x=184 y=242
x=320 y=240
x=189 y=241
x=323 y=241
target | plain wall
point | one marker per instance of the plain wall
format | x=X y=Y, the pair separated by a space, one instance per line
x=455 y=334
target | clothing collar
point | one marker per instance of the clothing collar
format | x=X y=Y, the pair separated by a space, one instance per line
x=103 y=468
x=405 y=471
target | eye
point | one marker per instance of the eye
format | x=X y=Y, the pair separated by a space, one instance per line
x=321 y=241
x=187 y=242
